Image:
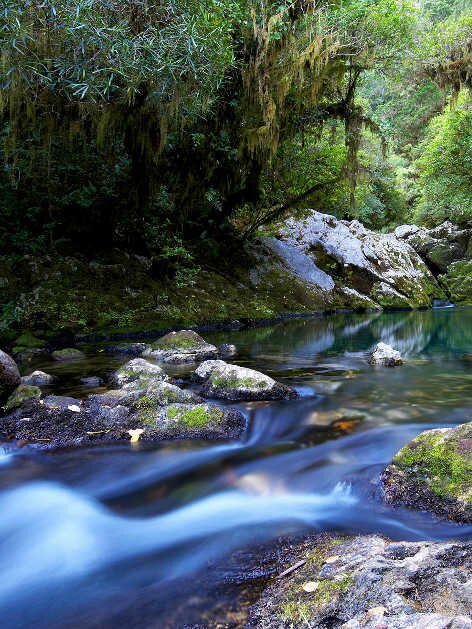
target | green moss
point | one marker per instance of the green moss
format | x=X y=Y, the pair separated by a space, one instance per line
x=185 y=339
x=173 y=412
x=233 y=382
x=28 y=341
x=21 y=394
x=458 y=282
x=438 y=460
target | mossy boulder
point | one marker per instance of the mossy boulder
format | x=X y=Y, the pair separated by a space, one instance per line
x=9 y=375
x=434 y=472
x=68 y=354
x=458 y=282
x=21 y=395
x=232 y=382
x=199 y=421
x=181 y=347
x=28 y=345
x=138 y=369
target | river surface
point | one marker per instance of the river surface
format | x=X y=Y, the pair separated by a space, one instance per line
x=123 y=536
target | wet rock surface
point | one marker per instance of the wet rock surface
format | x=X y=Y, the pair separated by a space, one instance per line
x=9 y=375
x=232 y=382
x=434 y=473
x=181 y=347
x=146 y=406
x=370 y=582
x=38 y=379
x=69 y=353
x=384 y=355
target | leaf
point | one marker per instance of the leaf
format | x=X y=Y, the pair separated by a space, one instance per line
x=310 y=586
x=135 y=434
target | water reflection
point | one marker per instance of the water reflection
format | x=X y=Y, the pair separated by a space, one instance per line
x=80 y=528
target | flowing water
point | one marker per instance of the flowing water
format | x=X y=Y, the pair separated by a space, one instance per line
x=128 y=536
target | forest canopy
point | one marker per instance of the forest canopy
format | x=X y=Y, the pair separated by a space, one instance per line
x=169 y=126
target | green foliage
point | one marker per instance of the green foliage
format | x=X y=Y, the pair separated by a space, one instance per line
x=445 y=167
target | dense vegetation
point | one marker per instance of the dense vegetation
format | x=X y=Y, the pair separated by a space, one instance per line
x=168 y=127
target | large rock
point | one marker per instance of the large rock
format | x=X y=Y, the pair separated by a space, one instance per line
x=434 y=472
x=385 y=356
x=9 y=375
x=39 y=379
x=67 y=354
x=458 y=282
x=380 y=267
x=231 y=382
x=371 y=583
x=23 y=394
x=138 y=369
x=181 y=347
x=439 y=247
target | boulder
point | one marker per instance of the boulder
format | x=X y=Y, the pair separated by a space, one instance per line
x=61 y=402
x=128 y=349
x=38 y=379
x=21 y=395
x=458 y=282
x=91 y=381
x=231 y=382
x=382 y=268
x=385 y=356
x=181 y=347
x=226 y=350
x=371 y=583
x=9 y=375
x=68 y=353
x=439 y=247
x=138 y=369
x=198 y=421
x=434 y=472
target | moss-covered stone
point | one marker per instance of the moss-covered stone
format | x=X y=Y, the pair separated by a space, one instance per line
x=434 y=471
x=458 y=282
x=23 y=393
x=68 y=353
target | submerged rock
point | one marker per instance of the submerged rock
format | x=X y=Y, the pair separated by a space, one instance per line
x=91 y=381
x=21 y=395
x=372 y=583
x=181 y=347
x=61 y=402
x=385 y=356
x=128 y=349
x=39 y=379
x=434 y=472
x=226 y=350
x=9 y=375
x=69 y=353
x=138 y=369
x=231 y=382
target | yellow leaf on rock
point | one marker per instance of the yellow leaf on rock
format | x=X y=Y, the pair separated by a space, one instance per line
x=135 y=434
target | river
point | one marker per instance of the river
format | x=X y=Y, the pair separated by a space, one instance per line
x=125 y=536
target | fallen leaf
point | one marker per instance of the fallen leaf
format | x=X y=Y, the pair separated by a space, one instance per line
x=310 y=586
x=332 y=559
x=74 y=408
x=135 y=434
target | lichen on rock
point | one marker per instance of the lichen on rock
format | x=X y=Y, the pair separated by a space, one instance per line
x=232 y=382
x=434 y=472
